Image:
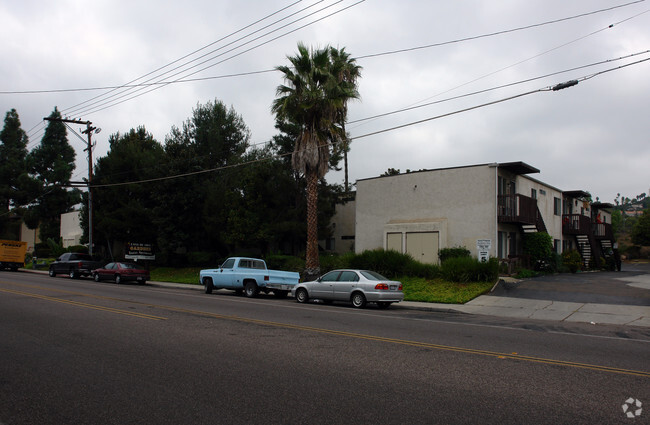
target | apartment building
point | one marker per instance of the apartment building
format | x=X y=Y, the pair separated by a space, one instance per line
x=487 y=208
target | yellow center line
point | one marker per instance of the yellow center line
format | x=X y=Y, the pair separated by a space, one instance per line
x=499 y=355
x=80 y=304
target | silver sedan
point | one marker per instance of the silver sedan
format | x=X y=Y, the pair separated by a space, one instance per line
x=356 y=286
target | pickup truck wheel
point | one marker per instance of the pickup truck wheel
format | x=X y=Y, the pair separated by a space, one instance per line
x=118 y=279
x=72 y=274
x=358 y=300
x=251 y=289
x=52 y=272
x=96 y=277
x=207 y=283
x=302 y=296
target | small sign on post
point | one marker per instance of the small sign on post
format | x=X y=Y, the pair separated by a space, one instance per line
x=483 y=247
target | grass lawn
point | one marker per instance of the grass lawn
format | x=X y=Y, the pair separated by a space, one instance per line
x=441 y=291
x=180 y=275
x=415 y=289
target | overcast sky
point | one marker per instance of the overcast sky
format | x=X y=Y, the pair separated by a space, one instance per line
x=592 y=136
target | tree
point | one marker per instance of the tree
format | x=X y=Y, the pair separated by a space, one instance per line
x=124 y=213
x=14 y=179
x=193 y=211
x=314 y=97
x=51 y=164
x=641 y=230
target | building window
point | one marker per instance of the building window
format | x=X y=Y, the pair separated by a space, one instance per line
x=557 y=206
x=533 y=193
x=556 y=245
x=542 y=192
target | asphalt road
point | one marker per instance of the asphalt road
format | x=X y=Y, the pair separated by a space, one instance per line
x=600 y=287
x=80 y=352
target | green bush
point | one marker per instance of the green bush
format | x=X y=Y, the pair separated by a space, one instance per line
x=539 y=246
x=572 y=260
x=525 y=273
x=388 y=263
x=200 y=258
x=458 y=252
x=468 y=269
x=285 y=262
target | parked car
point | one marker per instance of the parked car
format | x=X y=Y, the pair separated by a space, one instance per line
x=121 y=272
x=356 y=286
x=74 y=264
x=248 y=276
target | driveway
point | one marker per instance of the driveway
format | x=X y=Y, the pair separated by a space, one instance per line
x=630 y=286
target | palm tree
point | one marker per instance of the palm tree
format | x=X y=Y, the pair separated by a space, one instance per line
x=314 y=97
x=346 y=70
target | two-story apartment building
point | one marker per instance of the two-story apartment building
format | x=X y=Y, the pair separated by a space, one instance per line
x=486 y=208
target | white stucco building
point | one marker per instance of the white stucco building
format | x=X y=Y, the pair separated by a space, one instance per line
x=486 y=208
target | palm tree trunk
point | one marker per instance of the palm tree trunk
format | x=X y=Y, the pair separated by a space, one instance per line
x=312 y=265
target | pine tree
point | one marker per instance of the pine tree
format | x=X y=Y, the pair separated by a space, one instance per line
x=52 y=164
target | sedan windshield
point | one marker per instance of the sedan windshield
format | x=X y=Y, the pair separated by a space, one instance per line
x=370 y=275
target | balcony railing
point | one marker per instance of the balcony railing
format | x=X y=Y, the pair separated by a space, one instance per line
x=576 y=224
x=517 y=209
x=603 y=231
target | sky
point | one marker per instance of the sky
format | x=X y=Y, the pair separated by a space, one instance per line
x=467 y=82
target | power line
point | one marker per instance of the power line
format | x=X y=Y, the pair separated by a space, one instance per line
x=555 y=87
x=372 y=55
x=116 y=97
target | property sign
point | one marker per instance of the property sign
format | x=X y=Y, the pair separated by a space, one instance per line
x=139 y=251
x=483 y=247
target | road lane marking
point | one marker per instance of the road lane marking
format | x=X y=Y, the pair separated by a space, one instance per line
x=85 y=305
x=512 y=356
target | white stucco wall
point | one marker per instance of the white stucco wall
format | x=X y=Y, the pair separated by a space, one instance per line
x=71 y=229
x=459 y=203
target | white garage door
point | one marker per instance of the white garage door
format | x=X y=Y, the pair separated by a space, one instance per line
x=423 y=246
x=394 y=242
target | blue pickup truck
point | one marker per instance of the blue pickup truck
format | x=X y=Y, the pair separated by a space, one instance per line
x=248 y=276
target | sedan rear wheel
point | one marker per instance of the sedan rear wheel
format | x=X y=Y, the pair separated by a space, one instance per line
x=302 y=296
x=358 y=300
x=52 y=272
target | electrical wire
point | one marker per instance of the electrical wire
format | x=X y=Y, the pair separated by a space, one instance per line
x=372 y=55
x=544 y=89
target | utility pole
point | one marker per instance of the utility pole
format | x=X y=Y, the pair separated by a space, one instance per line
x=89 y=131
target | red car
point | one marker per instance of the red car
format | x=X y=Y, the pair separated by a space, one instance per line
x=121 y=272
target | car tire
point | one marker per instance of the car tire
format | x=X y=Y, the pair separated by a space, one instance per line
x=358 y=300
x=73 y=274
x=207 y=284
x=52 y=272
x=383 y=305
x=250 y=289
x=96 y=277
x=118 y=279
x=302 y=296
